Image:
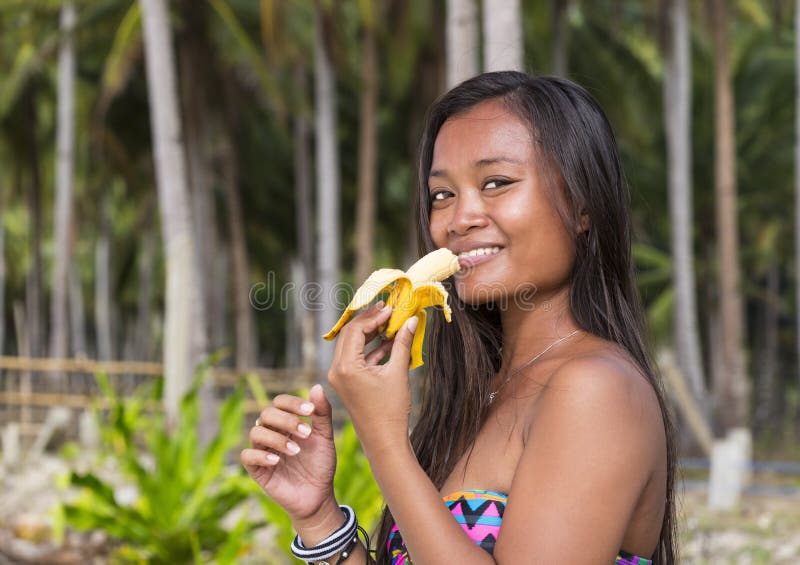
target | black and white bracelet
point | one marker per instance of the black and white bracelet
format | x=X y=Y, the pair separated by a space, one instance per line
x=335 y=543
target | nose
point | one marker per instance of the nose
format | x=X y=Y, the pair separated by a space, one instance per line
x=469 y=213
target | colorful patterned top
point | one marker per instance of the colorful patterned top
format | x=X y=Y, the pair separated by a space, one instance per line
x=480 y=513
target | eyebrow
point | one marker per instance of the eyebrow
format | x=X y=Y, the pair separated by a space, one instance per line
x=480 y=163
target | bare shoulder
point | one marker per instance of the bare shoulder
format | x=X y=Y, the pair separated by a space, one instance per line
x=593 y=445
x=606 y=387
x=606 y=375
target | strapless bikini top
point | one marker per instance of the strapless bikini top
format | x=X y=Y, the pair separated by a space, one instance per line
x=480 y=513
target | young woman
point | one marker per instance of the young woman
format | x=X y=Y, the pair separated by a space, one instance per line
x=543 y=436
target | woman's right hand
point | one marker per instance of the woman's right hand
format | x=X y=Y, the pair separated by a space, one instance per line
x=292 y=462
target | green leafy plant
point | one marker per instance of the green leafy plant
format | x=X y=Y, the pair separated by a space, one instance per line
x=184 y=490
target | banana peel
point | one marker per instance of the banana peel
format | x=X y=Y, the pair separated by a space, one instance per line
x=410 y=292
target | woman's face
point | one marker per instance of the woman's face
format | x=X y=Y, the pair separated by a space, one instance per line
x=486 y=194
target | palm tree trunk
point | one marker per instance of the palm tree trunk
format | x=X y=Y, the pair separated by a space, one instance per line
x=797 y=173
x=293 y=354
x=502 y=35
x=23 y=350
x=367 y=156
x=208 y=311
x=194 y=56
x=34 y=294
x=714 y=356
x=143 y=350
x=243 y=311
x=560 y=34
x=462 y=41
x=65 y=159
x=328 y=237
x=304 y=210
x=77 y=314
x=219 y=333
x=434 y=72
x=677 y=116
x=102 y=283
x=731 y=392
x=183 y=346
x=768 y=360
x=2 y=275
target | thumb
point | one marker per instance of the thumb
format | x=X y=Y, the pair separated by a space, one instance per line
x=322 y=417
x=403 y=339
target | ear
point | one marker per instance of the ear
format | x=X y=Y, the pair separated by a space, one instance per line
x=585 y=222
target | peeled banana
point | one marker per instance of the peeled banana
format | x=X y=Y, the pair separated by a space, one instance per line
x=410 y=292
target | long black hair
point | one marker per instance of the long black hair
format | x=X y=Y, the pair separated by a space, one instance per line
x=572 y=134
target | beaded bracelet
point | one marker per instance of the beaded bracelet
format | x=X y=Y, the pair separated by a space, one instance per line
x=339 y=540
x=346 y=553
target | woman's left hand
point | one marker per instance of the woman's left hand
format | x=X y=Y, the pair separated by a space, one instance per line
x=378 y=397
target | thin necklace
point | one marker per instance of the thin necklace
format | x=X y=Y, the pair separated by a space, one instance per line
x=493 y=395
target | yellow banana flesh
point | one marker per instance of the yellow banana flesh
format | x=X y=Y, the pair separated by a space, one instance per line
x=410 y=293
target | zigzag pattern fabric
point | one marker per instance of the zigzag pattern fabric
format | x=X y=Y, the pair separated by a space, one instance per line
x=625 y=558
x=480 y=514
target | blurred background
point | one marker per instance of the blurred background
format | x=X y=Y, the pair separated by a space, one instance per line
x=188 y=183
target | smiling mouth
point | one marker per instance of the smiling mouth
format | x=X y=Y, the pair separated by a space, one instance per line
x=479 y=252
x=477 y=256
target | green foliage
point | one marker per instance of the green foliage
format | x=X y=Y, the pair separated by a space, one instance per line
x=615 y=49
x=248 y=50
x=24 y=64
x=118 y=65
x=353 y=485
x=184 y=491
x=654 y=278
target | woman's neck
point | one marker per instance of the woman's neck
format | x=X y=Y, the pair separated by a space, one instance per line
x=529 y=328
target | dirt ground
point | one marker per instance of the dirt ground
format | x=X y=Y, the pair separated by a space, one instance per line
x=763 y=529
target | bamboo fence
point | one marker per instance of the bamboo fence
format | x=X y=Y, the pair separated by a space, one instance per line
x=29 y=387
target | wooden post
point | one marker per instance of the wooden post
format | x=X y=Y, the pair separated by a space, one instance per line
x=691 y=411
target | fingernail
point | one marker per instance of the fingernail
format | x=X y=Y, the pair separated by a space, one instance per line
x=379 y=304
x=272 y=458
x=411 y=324
x=306 y=408
x=304 y=430
x=385 y=309
x=292 y=447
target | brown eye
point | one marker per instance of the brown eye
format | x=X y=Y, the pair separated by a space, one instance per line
x=495 y=183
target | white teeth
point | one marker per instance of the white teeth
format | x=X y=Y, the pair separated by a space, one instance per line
x=481 y=251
